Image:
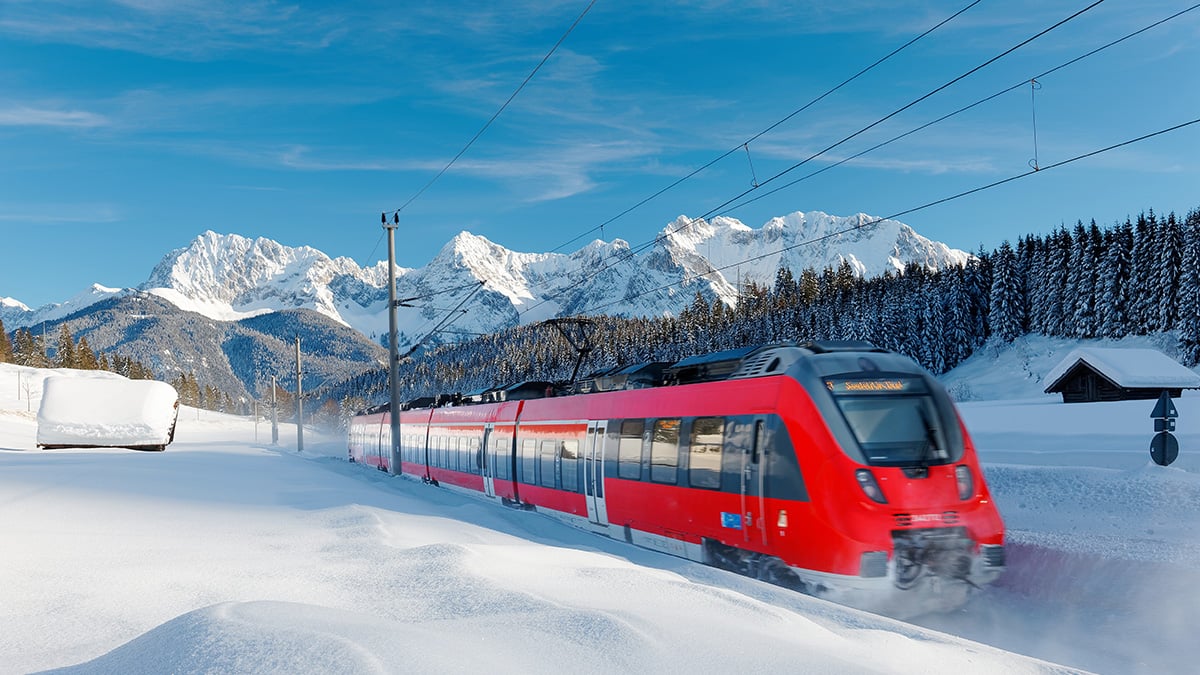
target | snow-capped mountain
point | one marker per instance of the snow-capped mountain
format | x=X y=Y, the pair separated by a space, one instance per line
x=228 y=277
x=16 y=314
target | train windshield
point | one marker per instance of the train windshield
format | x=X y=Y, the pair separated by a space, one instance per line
x=894 y=419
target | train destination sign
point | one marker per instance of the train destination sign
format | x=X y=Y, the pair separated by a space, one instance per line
x=890 y=385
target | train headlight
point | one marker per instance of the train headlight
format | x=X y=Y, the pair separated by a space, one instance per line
x=966 y=484
x=866 y=481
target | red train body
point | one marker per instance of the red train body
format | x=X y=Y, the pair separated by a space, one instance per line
x=837 y=469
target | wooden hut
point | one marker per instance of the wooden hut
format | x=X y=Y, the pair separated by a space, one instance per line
x=1096 y=374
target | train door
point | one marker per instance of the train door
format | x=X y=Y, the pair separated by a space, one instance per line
x=754 y=463
x=488 y=461
x=593 y=467
x=377 y=455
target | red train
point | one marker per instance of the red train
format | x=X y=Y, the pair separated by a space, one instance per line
x=837 y=468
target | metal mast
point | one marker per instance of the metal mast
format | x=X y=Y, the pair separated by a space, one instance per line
x=393 y=348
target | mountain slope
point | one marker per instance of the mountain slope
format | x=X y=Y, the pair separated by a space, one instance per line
x=231 y=307
x=231 y=277
x=238 y=358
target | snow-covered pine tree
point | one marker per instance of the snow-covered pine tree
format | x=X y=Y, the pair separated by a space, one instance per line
x=1142 y=312
x=1006 y=303
x=1189 y=291
x=1079 y=291
x=6 y=348
x=1116 y=273
x=1170 y=254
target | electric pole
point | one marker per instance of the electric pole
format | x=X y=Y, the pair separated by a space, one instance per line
x=274 y=414
x=299 y=401
x=393 y=347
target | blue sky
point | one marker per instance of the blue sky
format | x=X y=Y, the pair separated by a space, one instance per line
x=128 y=127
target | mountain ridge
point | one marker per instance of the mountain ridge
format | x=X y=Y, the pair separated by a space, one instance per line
x=228 y=277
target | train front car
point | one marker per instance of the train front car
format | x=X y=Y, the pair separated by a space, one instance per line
x=899 y=510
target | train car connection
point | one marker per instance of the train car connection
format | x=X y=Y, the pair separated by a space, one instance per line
x=837 y=468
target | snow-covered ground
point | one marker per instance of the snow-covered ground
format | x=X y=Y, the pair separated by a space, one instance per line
x=224 y=554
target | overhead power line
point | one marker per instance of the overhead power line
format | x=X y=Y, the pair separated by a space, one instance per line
x=634 y=251
x=907 y=106
x=963 y=109
x=745 y=143
x=489 y=122
x=499 y=110
x=898 y=214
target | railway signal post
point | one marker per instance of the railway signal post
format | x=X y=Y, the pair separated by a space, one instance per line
x=1164 y=448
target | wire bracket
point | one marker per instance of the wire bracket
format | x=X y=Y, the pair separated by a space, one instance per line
x=1034 y=86
x=753 y=177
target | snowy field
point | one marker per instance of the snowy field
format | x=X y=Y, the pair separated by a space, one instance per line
x=224 y=554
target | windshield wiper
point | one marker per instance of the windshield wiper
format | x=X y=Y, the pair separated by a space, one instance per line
x=929 y=453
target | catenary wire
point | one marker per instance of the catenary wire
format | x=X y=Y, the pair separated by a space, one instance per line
x=765 y=131
x=500 y=110
x=963 y=109
x=907 y=106
x=634 y=251
x=488 y=123
x=897 y=214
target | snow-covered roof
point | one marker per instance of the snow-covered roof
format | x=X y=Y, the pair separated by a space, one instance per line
x=1127 y=368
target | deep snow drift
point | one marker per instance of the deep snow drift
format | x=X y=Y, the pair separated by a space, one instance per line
x=226 y=555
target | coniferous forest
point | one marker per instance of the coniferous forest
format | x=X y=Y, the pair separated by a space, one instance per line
x=1138 y=277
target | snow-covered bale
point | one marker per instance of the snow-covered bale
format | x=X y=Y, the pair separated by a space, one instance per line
x=107 y=412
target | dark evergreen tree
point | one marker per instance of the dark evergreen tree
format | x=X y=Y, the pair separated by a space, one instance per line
x=1189 y=291
x=1079 y=289
x=6 y=348
x=64 y=354
x=1117 y=274
x=1142 y=314
x=1006 y=304
x=1170 y=251
x=85 y=358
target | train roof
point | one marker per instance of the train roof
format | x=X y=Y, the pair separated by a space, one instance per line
x=730 y=364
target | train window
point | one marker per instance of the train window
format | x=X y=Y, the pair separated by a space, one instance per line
x=569 y=452
x=704 y=461
x=529 y=461
x=664 y=452
x=895 y=420
x=780 y=467
x=475 y=457
x=548 y=456
x=629 y=451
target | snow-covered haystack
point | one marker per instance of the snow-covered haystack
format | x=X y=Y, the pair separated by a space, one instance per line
x=106 y=412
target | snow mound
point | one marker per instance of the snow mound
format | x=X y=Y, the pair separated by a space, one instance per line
x=233 y=637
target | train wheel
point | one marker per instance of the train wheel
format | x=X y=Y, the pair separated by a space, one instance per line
x=908 y=569
x=774 y=571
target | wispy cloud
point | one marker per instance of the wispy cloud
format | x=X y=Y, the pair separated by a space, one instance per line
x=59 y=214
x=26 y=116
x=566 y=170
x=183 y=28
